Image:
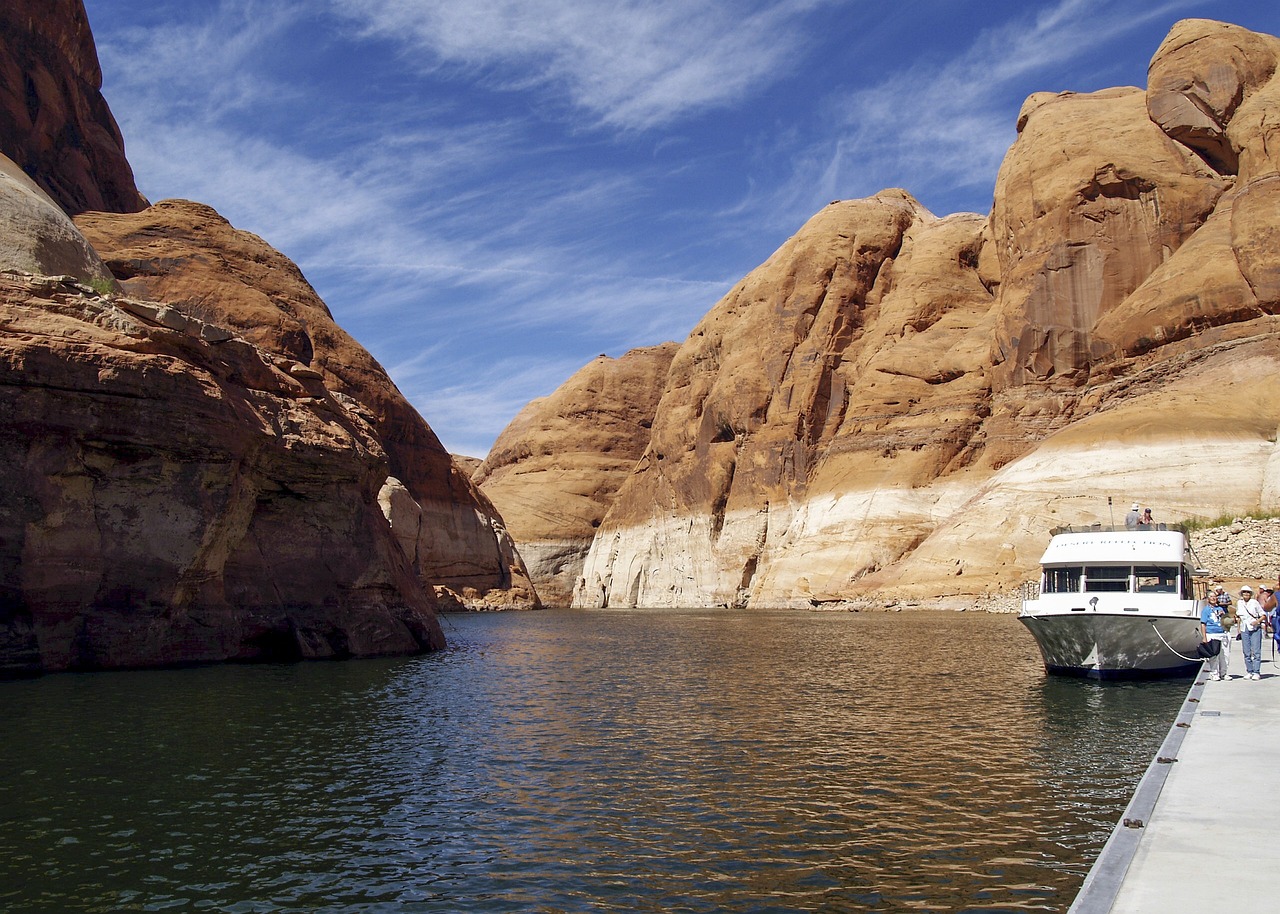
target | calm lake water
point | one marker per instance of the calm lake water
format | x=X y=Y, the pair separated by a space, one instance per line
x=564 y=761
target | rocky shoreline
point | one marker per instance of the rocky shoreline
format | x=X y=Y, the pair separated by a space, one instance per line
x=1245 y=551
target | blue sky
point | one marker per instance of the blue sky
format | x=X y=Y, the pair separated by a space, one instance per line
x=490 y=193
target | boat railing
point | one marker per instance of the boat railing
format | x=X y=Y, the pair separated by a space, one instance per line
x=1030 y=591
x=1115 y=528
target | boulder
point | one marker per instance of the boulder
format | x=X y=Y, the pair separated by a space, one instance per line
x=37 y=237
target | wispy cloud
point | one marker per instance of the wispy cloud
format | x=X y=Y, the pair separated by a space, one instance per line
x=205 y=67
x=941 y=128
x=476 y=259
x=632 y=65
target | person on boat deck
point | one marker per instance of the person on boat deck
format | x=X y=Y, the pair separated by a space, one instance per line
x=1146 y=520
x=1131 y=519
x=1251 y=616
x=1211 y=627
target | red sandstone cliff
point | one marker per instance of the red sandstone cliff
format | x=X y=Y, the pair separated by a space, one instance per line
x=200 y=464
x=189 y=257
x=54 y=122
x=936 y=393
x=555 y=469
x=173 y=493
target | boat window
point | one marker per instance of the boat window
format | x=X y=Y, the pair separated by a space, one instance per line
x=1156 y=579
x=1062 y=580
x=1106 y=578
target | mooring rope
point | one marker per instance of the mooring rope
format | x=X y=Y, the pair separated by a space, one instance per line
x=1170 y=646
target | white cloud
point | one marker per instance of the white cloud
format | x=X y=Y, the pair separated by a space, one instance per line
x=633 y=64
x=202 y=68
x=940 y=128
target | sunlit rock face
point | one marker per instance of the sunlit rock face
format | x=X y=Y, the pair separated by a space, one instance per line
x=555 y=469
x=54 y=122
x=186 y=255
x=37 y=237
x=900 y=406
x=852 y=360
x=173 y=493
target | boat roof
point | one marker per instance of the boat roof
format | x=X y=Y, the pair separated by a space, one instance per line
x=1115 y=546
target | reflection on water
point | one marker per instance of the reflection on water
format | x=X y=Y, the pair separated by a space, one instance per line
x=582 y=761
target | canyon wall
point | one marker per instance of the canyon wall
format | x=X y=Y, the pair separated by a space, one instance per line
x=556 y=467
x=898 y=406
x=173 y=493
x=54 y=122
x=189 y=257
x=199 y=464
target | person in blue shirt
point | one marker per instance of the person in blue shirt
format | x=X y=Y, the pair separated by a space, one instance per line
x=1212 y=627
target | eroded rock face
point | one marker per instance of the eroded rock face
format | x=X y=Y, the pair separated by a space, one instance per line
x=896 y=406
x=186 y=255
x=54 y=122
x=554 y=470
x=1208 y=87
x=173 y=495
x=878 y=334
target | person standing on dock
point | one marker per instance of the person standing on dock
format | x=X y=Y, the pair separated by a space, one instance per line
x=1211 y=628
x=1251 y=617
x=1131 y=519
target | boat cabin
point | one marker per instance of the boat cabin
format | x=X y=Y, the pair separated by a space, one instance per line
x=1116 y=560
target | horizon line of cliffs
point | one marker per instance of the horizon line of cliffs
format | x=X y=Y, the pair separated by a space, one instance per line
x=900 y=406
x=199 y=464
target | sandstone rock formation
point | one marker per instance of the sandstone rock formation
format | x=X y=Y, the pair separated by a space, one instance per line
x=37 y=237
x=173 y=493
x=555 y=469
x=934 y=394
x=186 y=255
x=53 y=120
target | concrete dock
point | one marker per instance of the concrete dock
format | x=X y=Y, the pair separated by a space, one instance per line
x=1201 y=830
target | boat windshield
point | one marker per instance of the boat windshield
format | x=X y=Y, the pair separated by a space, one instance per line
x=1115 y=579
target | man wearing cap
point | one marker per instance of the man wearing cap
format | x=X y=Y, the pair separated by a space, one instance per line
x=1131 y=519
x=1251 y=615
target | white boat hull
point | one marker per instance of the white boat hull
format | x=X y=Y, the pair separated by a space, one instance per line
x=1102 y=645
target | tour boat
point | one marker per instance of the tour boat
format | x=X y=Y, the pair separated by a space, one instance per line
x=1114 y=603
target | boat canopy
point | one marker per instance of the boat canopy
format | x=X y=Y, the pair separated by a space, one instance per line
x=1155 y=547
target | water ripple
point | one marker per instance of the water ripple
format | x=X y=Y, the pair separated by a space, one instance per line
x=591 y=761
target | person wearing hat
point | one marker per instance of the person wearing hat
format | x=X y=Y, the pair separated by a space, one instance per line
x=1131 y=519
x=1251 y=618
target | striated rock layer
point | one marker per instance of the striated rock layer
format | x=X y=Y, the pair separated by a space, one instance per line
x=896 y=405
x=555 y=469
x=173 y=493
x=189 y=257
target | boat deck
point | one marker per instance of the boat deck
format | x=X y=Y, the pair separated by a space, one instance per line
x=1184 y=842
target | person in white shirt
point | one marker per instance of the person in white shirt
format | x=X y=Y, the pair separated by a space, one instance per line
x=1251 y=616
